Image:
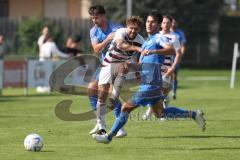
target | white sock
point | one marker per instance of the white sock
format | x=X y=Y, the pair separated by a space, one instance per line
x=101 y=111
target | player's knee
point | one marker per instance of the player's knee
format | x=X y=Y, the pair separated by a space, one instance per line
x=92 y=89
x=126 y=107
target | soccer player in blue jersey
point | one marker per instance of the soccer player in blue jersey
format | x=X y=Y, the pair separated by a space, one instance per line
x=170 y=63
x=149 y=91
x=182 y=39
x=101 y=35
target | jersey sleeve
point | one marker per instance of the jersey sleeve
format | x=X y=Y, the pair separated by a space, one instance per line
x=120 y=34
x=176 y=43
x=182 y=39
x=141 y=39
x=57 y=52
x=93 y=37
x=162 y=40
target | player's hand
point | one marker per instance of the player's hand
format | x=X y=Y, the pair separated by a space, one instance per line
x=110 y=36
x=169 y=72
x=145 y=52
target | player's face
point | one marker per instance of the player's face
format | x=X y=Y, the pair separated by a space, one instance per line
x=152 y=26
x=166 y=24
x=45 y=31
x=97 y=19
x=132 y=30
x=1 y=39
x=174 y=24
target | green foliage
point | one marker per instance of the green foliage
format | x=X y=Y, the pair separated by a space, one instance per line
x=198 y=13
x=116 y=10
x=30 y=30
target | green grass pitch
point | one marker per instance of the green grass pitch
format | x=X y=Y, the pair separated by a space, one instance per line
x=170 y=140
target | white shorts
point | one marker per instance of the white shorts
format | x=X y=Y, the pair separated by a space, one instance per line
x=109 y=72
x=166 y=80
x=105 y=76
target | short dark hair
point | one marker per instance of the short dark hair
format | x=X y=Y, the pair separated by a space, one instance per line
x=156 y=15
x=96 y=9
x=134 y=20
x=77 y=37
x=168 y=17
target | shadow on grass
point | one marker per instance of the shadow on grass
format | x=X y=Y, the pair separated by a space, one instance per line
x=47 y=151
x=193 y=149
x=188 y=137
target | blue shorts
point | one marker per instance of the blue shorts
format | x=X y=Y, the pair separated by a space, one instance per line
x=147 y=95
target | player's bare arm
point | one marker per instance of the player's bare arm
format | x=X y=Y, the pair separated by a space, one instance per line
x=167 y=50
x=177 y=60
x=98 y=47
x=125 y=46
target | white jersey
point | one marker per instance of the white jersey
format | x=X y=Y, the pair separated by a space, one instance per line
x=115 y=55
x=49 y=50
x=173 y=40
x=41 y=41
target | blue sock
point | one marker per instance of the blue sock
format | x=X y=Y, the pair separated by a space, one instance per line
x=93 y=101
x=174 y=112
x=174 y=86
x=118 y=124
x=117 y=109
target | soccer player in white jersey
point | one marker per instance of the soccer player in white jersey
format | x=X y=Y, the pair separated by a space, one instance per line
x=126 y=42
x=182 y=39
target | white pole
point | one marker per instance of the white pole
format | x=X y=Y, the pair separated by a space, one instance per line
x=1 y=76
x=129 y=8
x=234 y=65
x=26 y=83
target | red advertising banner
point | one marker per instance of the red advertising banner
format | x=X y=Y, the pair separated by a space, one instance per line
x=15 y=74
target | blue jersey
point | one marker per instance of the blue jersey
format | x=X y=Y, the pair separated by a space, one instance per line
x=181 y=36
x=151 y=64
x=149 y=92
x=98 y=36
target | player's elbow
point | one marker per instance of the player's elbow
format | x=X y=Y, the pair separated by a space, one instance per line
x=96 y=50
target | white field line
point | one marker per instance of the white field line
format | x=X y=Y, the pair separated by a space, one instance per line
x=205 y=78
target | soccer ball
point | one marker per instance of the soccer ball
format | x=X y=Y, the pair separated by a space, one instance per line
x=33 y=142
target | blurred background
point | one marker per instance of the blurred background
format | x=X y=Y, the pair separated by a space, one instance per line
x=211 y=26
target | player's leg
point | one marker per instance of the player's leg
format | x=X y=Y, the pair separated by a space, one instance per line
x=175 y=83
x=146 y=95
x=101 y=107
x=92 y=91
x=119 y=71
x=176 y=112
x=147 y=115
x=103 y=88
x=117 y=110
x=118 y=124
x=157 y=109
x=117 y=107
x=149 y=110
